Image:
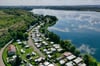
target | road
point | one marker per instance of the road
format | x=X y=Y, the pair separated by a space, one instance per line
x=30 y=42
x=1 y=52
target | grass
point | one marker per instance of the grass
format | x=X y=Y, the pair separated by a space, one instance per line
x=23 y=56
x=27 y=51
x=98 y=64
x=13 y=19
x=4 y=56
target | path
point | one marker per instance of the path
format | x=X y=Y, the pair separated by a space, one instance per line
x=1 y=52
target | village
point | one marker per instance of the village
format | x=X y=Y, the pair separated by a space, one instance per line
x=38 y=51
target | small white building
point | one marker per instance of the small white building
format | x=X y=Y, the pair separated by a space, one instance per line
x=27 y=46
x=81 y=64
x=57 y=46
x=62 y=62
x=53 y=49
x=46 y=63
x=59 y=50
x=52 y=42
x=22 y=51
x=33 y=53
x=51 y=65
x=71 y=57
x=70 y=63
x=77 y=60
x=49 y=56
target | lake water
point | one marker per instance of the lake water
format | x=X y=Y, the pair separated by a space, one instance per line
x=81 y=27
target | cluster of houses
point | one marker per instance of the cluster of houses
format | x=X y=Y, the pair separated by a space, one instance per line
x=68 y=59
x=43 y=62
x=12 y=53
x=49 y=48
x=46 y=47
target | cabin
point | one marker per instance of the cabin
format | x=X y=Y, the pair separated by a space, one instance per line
x=11 y=50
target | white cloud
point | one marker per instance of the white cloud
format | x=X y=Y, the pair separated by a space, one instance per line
x=49 y=2
x=85 y=48
x=59 y=29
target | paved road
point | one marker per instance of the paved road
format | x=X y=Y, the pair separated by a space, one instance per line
x=1 y=52
x=30 y=42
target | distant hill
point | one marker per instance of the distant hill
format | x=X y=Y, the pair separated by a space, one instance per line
x=77 y=7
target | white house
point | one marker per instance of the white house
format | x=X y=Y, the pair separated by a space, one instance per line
x=71 y=57
x=62 y=61
x=77 y=60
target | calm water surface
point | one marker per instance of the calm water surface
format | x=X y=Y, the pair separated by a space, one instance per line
x=81 y=27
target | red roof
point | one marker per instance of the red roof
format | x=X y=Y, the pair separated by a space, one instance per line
x=67 y=53
x=11 y=48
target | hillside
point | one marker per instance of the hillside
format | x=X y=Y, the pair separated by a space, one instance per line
x=14 y=22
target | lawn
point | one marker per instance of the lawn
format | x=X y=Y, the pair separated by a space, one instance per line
x=4 y=56
x=27 y=51
x=23 y=56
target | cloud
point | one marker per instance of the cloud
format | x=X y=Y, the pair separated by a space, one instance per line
x=86 y=49
x=49 y=2
x=88 y=27
x=59 y=29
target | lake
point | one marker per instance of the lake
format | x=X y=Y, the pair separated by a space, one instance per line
x=81 y=27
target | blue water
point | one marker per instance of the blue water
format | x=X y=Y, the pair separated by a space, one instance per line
x=81 y=27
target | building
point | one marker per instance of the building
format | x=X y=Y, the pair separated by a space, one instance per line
x=78 y=60
x=70 y=63
x=67 y=54
x=11 y=50
x=71 y=57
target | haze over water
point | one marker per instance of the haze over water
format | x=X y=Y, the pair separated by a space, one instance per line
x=81 y=27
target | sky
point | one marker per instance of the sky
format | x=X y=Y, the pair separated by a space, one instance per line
x=49 y=2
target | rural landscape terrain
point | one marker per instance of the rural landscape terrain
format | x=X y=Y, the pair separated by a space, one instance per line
x=26 y=41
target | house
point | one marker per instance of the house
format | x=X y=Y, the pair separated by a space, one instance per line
x=49 y=56
x=46 y=63
x=33 y=53
x=48 y=52
x=45 y=43
x=57 y=46
x=29 y=64
x=51 y=65
x=39 y=59
x=78 y=60
x=11 y=50
x=59 y=50
x=47 y=38
x=62 y=62
x=41 y=64
x=27 y=46
x=53 y=49
x=81 y=64
x=59 y=58
x=52 y=42
x=70 y=63
x=18 y=41
x=67 y=54
x=45 y=50
x=71 y=57
x=22 y=51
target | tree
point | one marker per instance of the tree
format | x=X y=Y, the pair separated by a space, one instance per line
x=25 y=36
x=18 y=61
x=89 y=60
